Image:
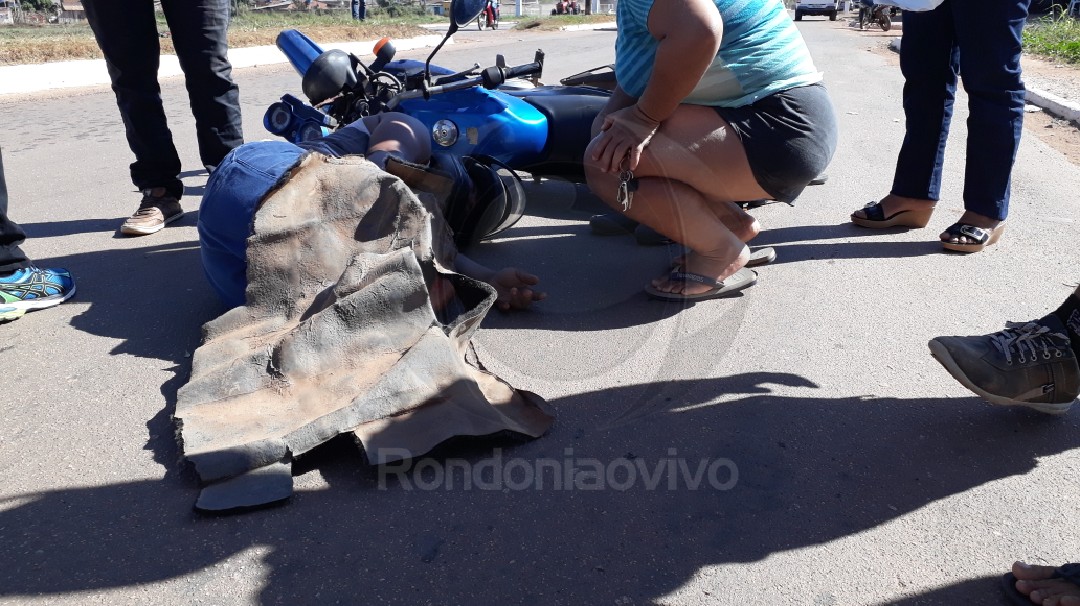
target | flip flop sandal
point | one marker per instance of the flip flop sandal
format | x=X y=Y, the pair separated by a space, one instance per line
x=875 y=217
x=1068 y=572
x=982 y=236
x=740 y=280
x=758 y=257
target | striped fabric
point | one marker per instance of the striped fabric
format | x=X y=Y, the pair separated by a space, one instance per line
x=761 y=53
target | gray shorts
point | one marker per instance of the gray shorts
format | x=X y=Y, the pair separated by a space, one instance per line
x=789 y=137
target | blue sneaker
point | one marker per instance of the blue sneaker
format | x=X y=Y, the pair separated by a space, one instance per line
x=8 y=314
x=32 y=288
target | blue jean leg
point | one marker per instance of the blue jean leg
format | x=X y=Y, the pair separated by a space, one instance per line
x=233 y=193
x=980 y=41
x=930 y=61
x=990 y=43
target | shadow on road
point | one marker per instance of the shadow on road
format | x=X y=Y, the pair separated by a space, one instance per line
x=809 y=471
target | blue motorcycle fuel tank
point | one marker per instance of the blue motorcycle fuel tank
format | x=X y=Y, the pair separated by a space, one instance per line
x=480 y=121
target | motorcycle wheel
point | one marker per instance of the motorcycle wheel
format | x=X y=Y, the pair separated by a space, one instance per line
x=479 y=24
x=885 y=23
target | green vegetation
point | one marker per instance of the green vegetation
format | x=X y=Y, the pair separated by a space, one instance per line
x=1057 y=38
x=554 y=22
x=29 y=44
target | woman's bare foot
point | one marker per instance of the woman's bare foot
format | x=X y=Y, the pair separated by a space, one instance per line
x=712 y=267
x=970 y=218
x=1036 y=583
x=892 y=204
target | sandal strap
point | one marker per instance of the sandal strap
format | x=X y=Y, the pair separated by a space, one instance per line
x=1069 y=572
x=873 y=211
x=979 y=234
x=684 y=277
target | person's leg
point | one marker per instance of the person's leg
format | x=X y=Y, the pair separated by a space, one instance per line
x=233 y=192
x=199 y=34
x=127 y=34
x=11 y=235
x=1031 y=364
x=24 y=287
x=929 y=60
x=989 y=37
x=355 y=9
x=363 y=10
x=670 y=181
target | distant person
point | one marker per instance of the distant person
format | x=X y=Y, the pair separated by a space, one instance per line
x=982 y=41
x=24 y=287
x=359 y=9
x=128 y=36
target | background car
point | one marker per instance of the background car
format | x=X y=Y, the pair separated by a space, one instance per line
x=820 y=8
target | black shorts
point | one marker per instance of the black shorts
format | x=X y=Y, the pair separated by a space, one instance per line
x=789 y=137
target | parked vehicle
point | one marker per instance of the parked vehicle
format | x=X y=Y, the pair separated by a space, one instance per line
x=881 y=14
x=821 y=8
x=489 y=17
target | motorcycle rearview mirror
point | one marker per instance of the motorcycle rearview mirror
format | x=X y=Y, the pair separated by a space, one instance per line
x=330 y=74
x=462 y=13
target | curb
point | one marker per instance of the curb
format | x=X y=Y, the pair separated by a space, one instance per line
x=22 y=79
x=1055 y=105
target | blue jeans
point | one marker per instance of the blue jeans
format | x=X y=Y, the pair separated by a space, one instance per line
x=233 y=193
x=127 y=33
x=981 y=40
x=359 y=9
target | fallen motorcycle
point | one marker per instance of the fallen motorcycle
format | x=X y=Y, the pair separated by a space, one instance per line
x=500 y=112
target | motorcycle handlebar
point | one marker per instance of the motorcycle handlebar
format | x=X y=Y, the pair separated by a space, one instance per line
x=489 y=78
x=494 y=76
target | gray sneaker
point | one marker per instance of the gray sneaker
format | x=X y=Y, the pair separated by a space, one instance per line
x=154 y=213
x=1028 y=364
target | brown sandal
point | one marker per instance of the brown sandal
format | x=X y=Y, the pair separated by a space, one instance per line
x=982 y=236
x=875 y=217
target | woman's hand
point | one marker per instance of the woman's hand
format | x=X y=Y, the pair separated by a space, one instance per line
x=623 y=137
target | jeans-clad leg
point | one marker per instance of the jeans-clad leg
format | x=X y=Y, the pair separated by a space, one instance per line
x=127 y=33
x=989 y=37
x=929 y=60
x=228 y=207
x=11 y=235
x=199 y=34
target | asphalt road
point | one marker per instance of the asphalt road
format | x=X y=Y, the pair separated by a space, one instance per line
x=849 y=467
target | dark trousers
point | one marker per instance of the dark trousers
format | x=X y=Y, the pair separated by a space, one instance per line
x=980 y=42
x=11 y=235
x=359 y=9
x=127 y=33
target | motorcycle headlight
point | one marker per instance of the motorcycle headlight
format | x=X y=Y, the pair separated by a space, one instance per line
x=445 y=133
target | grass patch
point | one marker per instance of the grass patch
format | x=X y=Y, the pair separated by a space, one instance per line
x=31 y=44
x=556 y=22
x=1056 y=38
